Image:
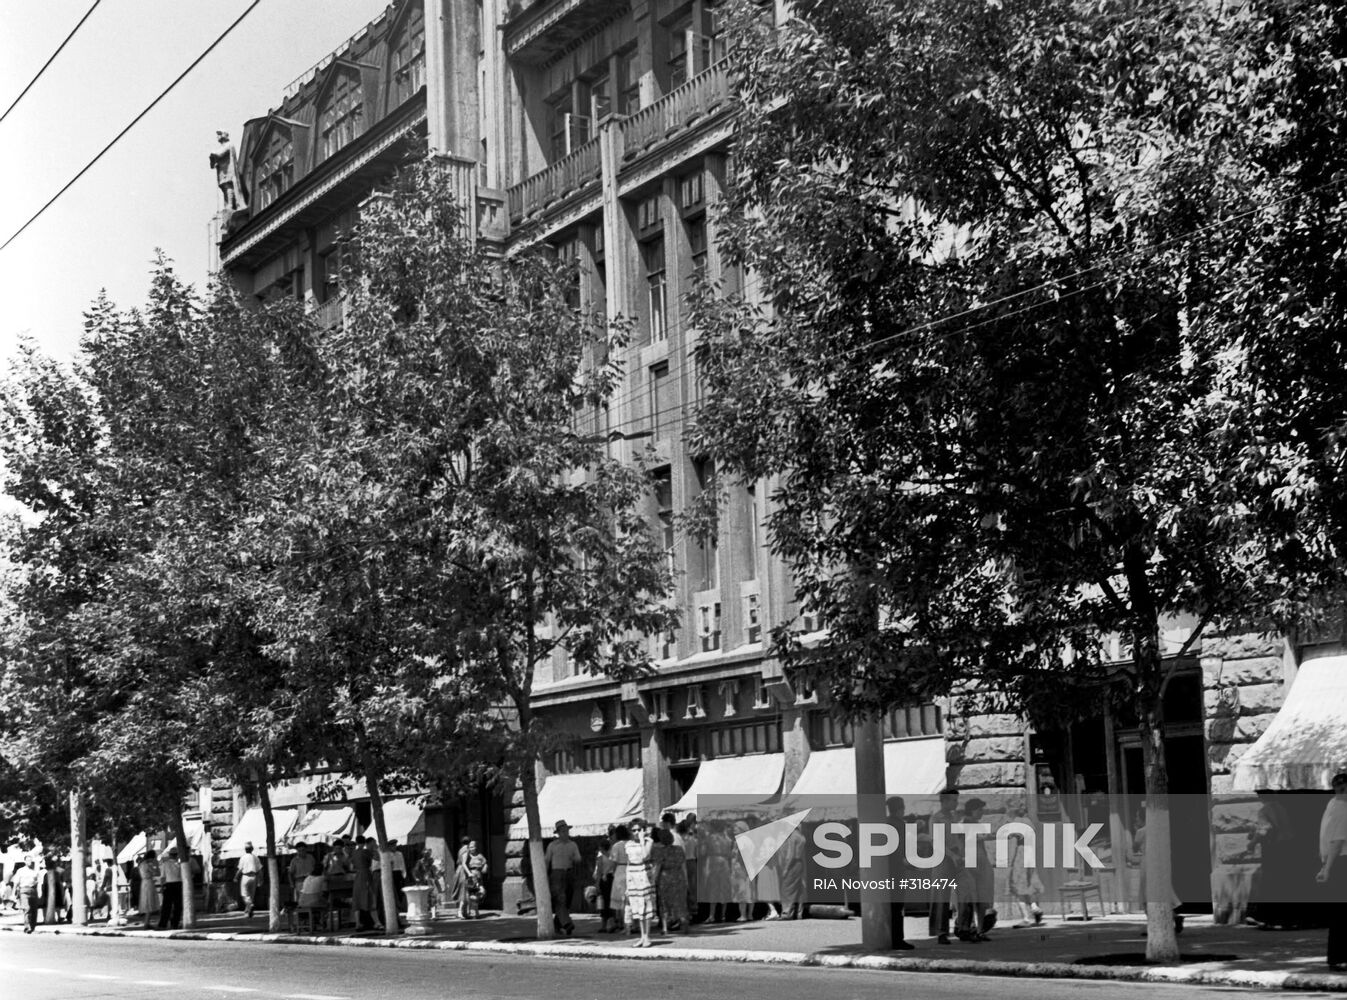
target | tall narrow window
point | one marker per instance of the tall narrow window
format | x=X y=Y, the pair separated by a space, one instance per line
x=652 y=255
x=409 y=57
x=663 y=401
x=752 y=537
x=342 y=116
x=629 y=98
x=664 y=513
x=709 y=543
x=681 y=42
x=276 y=172
x=561 y=125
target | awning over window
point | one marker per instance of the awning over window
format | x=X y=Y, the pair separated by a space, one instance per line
x=252 y=829
x=405 y=821
x=322 y=825
x=589 y=802
x=911 y=767
x=1306 y=744
x=751 y=779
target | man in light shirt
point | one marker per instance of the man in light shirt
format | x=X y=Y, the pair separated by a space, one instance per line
x=563 y=861
x=27 y=883
x=250 y=867
x=1332 y=848
x=170 y=912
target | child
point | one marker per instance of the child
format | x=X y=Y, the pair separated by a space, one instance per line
x=1024 y=884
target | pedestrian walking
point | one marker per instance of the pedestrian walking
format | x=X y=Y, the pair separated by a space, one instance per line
x=617 y=896
x=1333 y=874
x=170 y=912
x=461 y=876
x=250 y=868
x=948 y=868
x=475 y=873
x=563 y=862
x=687 y=829
x=26 y=883
x=603 y=883
x=1024 y=884
x=640 y=884
x=669 y=865
x=149 y=894
x=716 y=887
x=975 y=885
x=362 y=886
x=790 y=862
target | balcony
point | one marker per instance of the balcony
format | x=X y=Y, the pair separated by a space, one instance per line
x=539 y=30
x=704 y=96
x=572 y=173
x=329 y=314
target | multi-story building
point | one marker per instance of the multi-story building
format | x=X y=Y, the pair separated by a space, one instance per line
x=602 y=129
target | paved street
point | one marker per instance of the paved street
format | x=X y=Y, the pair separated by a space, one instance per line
x=48 y=966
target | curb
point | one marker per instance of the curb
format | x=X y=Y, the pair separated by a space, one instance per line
x=1299 y=981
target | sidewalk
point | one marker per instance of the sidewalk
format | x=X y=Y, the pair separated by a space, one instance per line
x=1106 y=948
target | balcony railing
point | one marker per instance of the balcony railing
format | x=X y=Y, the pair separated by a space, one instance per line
x=577 y=169
x=703 y=95
x=329 y=314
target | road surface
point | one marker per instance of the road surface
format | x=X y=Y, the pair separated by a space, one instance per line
x=51 y=967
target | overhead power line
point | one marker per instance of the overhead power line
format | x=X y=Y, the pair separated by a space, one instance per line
x=50 y=59
x=117 y=138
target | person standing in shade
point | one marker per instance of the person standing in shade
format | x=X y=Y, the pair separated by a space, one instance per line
x=27 y=883
x=250 y=868
x=670 y=870
x=362 y=886
x=617 y=898
x=687 y=829
x=790 y=862
x=951 y=861
x=149 y=895
x=894 y=811
x=563 y=861
x=1333 y=874
x=170 y=912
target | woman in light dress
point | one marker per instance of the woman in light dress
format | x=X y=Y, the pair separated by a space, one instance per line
x=715 y=888
x=149 y=877
x=741 y=886
x=640 y=885
x=617 y=897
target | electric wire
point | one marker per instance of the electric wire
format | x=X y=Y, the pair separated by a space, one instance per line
x=50 y=59
x=134 y=121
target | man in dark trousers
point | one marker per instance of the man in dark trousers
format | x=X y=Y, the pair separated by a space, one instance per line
x=170 y=912
x=563 y=862
x=894 y=809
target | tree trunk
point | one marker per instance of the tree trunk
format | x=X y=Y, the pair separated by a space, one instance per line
x=79 y=860
x=273 y=862
x=542 y=896
x=188 y=888
x=1162 y=943
x=392 y=922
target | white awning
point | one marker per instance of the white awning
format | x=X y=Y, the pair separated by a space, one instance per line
x=751 y=779
x=322 y=825
x=252 y=828
x=405 y=821
x=911 y=767
x=589 y=802
x=134 y=848
x=1306 y=744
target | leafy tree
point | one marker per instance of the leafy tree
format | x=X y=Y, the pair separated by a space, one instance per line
x=979 y=233
x=440 y=531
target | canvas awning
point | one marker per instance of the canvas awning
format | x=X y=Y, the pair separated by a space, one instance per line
x=252 y=828
x=134 y=848
x=911 y=767
x=1306 y=744
x=589 y=801
x=322 y=825
x=751 y=778
x=405 y=821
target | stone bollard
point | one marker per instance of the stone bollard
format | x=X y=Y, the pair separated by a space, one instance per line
x=418 y=910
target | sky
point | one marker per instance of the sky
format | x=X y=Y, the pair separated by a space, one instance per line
x=155 y=188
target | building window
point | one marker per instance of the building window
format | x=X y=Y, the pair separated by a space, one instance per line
x=629 y=97
x=663 y=401
x=601 y=98
x=569 y=130
x=341 y=120
x=276 y=172
x=652 y=255
x=567 y=252
x=708 y=545
x=752 y=539
x=409 y=57
x=682 y=41
x=664 y=513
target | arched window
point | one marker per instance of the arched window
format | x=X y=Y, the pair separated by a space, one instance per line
x=276 y=171
x=341 y=119
x=408 y=62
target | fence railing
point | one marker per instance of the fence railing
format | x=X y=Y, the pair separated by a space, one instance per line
x=704 y=94
x=575 y=170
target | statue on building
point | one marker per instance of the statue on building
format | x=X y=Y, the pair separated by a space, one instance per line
x=225 y=161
